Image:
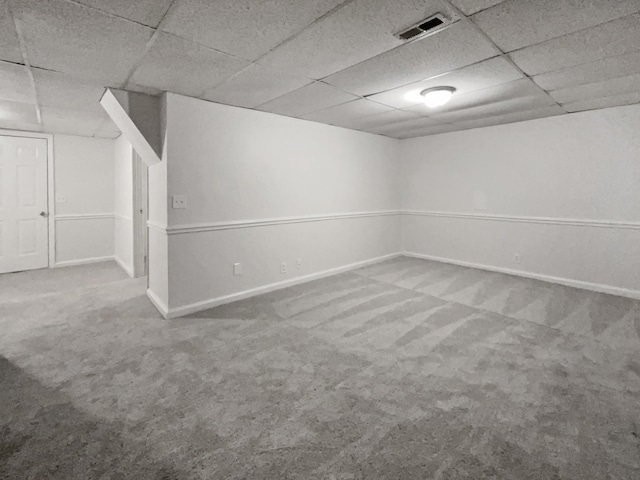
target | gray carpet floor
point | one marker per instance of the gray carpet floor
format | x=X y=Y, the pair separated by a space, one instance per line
x=406 y=369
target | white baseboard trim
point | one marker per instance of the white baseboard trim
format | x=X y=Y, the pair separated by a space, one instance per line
x=159 y=304
x=128 y=270
x=82 y=261
x=595 y=287
x=177 y=312
x=214 y=302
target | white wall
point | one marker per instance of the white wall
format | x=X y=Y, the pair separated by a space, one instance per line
x=263 y=189
x=158 y=240
x=239 y=168
x=565 y=191
x=123 y=204
x=84 y=176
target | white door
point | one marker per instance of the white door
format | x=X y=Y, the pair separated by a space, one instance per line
x=23 y=204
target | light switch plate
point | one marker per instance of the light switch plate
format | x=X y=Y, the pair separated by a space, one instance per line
x=179 y=202
x=237 y=269
x=61 y=199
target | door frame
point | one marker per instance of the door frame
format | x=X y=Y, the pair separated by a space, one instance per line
x=51 y=194
x=140 y=230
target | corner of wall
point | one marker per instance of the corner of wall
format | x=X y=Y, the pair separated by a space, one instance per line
x=547 y=198
x=287 y=211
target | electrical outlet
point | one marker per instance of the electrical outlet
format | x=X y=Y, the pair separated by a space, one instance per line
x=516 y=258
x=179 y=202
x=237 y=269
x=299 y=263
x=283 y=267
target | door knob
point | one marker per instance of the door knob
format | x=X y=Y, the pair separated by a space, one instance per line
x=44 y=214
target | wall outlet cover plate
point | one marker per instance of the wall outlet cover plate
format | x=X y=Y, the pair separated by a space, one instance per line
x=179 y=202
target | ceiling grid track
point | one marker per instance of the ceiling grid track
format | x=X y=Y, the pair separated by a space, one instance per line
x=501 y=53
x=27 y=64
x=159 y=30
x=317 y=20
x=322 y=80
x=109 y=14
x=331 y=63
x=154 y=38
x=284 y=42
x=150 y=44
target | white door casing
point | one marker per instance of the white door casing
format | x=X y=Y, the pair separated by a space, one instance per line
x=23 y=204
x=140 y=216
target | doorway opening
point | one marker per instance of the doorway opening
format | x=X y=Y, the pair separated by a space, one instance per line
x=140 y=217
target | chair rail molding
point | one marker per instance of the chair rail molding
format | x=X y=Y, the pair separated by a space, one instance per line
x=237 y=224
x=84 y=216
x=576 y=222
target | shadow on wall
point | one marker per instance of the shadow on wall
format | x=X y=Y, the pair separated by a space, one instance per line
x=43 y=436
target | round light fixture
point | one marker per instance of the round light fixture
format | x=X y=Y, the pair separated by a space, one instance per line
x=437 y=96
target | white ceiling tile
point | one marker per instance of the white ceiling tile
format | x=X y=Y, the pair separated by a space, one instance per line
x=73 y=39
x=134 y=87
x=607 y=40
x=254 y=86
x=383 y=119
x=357 y=108
x=511 y=117
x=108 y=135
x=25 y=127
x=423 y=132
x=515 y=24
x=474 y=77
x=108 y=129
x=147 y=12
x=108 y=126
x=18 y=112
x=512 y=90
x=15 y=83
x=69 y=129
x=604 y=102
x=9 y=43
x=494 y=109
x=470 y=7
x=449 y=49
x=246 y=28
x=180 y=66
x=310 y=98
x=61 y=90
x=348 y=115
x=605 y=88
x=71 y=122
x=360 y=30
x=398 y=127
x=605 y=69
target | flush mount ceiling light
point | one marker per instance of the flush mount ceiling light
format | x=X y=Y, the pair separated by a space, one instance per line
x=437 y=96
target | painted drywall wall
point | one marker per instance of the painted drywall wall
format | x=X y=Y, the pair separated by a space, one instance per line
x=562 y=193
x=123 y=204
x=158 y=272
x=84 y=177
x=158 y=275
x=255 y=185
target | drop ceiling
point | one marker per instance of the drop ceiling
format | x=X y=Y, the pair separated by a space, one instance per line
x=336 y=62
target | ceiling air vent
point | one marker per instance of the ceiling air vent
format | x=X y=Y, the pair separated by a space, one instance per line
x=414 y=32
x=429 y=25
